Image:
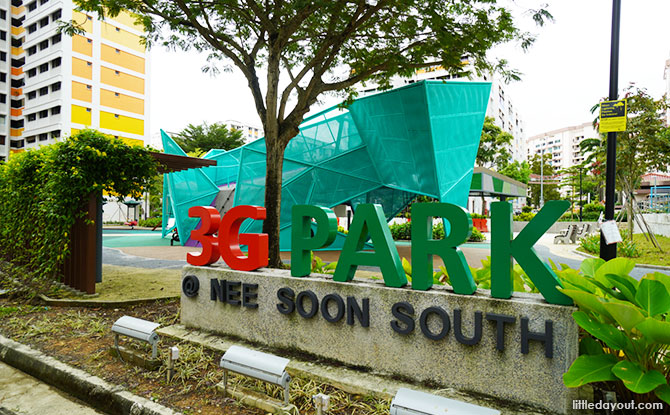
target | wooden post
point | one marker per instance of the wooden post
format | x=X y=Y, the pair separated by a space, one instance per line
x=79 y=270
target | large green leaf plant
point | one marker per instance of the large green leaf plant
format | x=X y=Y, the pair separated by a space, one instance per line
x=627 y=332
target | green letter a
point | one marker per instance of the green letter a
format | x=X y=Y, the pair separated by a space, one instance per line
x=370 y=219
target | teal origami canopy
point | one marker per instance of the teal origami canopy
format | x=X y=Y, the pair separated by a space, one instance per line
x=421 y=139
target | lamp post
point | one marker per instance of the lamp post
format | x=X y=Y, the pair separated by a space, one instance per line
x=542 y=179
x=608 y=252
x=580 y=193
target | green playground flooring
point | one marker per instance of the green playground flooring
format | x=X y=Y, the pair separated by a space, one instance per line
x=122 y=238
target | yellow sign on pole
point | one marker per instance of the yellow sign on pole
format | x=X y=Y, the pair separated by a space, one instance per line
x=613 y=116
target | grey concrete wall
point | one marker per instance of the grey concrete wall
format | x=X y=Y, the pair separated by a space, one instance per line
x=530 y=378
x=658 y=222
x=555 y=228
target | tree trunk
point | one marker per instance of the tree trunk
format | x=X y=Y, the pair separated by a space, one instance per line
x=631 y=224
x=273 y=183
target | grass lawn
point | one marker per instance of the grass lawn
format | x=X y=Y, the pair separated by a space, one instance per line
x=129 y=283
x=649 y=254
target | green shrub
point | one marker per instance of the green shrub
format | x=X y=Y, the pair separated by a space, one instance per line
x=476 y=236
x=593 y=207
x=628 y=248
x=44 y=191
x=150 y=222
x=401 y=231
x=626 y=329
x=527 y=209
x=342 y=230
x=591 y=243
x=524 y=217
x=478 y=216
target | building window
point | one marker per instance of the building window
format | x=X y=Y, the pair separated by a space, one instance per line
x=32 y=28
x=55 y=110
x=3 y=56
x=32 y=73
x=89 y=40
x=3 y=15
x=117 y=51
x=44 y=136
x=3 y=77
x=32 y=6
x=89 y=64
x=89 y=87
x=56 y=39
x=43 y=22
x=88 y=110
x=55 y=63
x=55 y=87
x=3 y=98
x=44 y=44
x=117 y=29
x=55 y=134
x=42 y=2
x=32 y=117
x=43 y=114
x=116 y=116
x=30 y=139
x=117 y=73
x=32 y=95
x=44 y=91
x=16 y=144
x=56 y=15
x=116 y=94
x=44 y=67
x=3 y=35
x=32 y=50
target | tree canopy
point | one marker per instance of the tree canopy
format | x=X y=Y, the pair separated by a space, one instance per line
x=643 y=147
x=519 y=171
x=550 y=190
x=291 y=52
x=205 y=137
x=494 y=145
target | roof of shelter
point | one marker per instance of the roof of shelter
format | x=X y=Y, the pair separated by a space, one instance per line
x=486 y=182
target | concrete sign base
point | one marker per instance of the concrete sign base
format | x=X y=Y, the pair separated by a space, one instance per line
x=516 y=349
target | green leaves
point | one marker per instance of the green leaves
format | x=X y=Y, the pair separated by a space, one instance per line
x=636 y=378
x=44 y=191
x=653 y=297
x=655 y=330
x=612 y=337
x=589 y=369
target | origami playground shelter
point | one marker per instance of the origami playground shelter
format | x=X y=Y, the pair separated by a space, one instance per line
x=388 y=148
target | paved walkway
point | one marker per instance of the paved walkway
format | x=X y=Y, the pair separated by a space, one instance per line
x=23 y=394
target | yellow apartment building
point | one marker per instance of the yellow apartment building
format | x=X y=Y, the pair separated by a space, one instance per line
x=53 y=85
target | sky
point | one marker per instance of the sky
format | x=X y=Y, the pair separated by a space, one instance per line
x=565 y=72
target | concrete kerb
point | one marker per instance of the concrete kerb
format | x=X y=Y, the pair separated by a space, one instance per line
x=66 y=302
x=111 y=399
x=661 y=267
x=349 y=380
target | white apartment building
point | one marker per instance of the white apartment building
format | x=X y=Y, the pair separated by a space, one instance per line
x=59 y=84
x=500 y=106
x=562 y=144
x=666 y=77
x=249 y=132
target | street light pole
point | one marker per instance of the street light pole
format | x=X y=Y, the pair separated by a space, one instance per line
x=608 y=252
x=581 y=203
x=542 y=179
